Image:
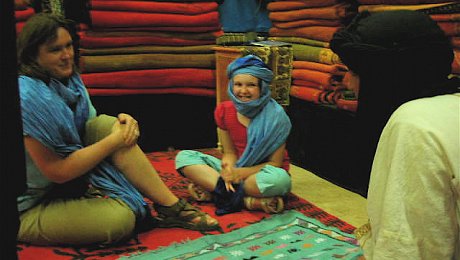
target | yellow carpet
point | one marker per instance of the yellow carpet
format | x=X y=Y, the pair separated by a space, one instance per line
x=342 y=203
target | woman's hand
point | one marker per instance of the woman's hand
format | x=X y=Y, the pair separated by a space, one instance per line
x=130 y=129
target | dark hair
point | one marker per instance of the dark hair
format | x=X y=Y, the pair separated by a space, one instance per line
x=39 y=29
x=399 y=56
x=403 y=47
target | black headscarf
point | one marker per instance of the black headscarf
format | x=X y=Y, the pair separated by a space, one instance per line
x=399 y=56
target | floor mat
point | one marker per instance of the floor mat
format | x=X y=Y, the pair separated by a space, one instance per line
x=290 y=235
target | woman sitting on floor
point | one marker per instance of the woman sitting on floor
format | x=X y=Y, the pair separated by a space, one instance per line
x=253 y=129
x=86 y=176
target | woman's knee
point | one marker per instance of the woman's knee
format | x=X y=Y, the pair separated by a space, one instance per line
x=99 y=127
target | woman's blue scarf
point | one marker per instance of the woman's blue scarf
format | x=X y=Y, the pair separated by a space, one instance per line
x=267 y=131
x=56 y=115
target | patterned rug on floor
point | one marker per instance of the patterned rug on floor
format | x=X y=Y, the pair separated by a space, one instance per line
x=290 y=235
x=163 y=237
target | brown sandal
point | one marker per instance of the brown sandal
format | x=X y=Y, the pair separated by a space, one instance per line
x=199 y=194
x=268 y=204
x=182 y=215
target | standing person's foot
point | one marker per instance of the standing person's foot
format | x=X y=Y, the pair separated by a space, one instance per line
x=267 y=204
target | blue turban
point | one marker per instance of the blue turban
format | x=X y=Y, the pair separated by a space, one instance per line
x=254 y=66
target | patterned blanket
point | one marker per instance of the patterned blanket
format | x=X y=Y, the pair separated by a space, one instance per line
x=290 y=235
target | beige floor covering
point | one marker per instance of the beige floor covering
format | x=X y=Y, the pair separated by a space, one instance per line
x=342 y=203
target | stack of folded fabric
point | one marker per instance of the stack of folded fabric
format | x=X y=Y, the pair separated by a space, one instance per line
x=446 y=13
x=243 y=21
x=22 y=12
x=316 y=82
x=309 y=26
x=150 y=47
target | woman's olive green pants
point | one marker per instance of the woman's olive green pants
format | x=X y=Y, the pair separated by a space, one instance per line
x=91 y=218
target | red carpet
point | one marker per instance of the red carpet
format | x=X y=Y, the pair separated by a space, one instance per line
x=164 y=163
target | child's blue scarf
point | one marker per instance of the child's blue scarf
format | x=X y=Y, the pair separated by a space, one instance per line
x=270 y=125
x=267 y=131
x=56 y=115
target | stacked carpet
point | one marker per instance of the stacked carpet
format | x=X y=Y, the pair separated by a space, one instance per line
x=318 y=83
x=312 y=217
x=150 y=47
x=317 y=20
x=446 y=13
x=22 y=12
x=317 y=73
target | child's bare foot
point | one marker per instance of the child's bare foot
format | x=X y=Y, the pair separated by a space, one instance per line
x=199 y=194
x=268 y=204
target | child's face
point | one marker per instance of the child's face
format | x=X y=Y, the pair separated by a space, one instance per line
x=246 y=87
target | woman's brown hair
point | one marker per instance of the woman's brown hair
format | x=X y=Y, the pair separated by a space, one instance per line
x=38 y=30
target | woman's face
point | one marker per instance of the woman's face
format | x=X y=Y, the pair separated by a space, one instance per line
x=246 y=87
x=57 y=56
x=351 y=82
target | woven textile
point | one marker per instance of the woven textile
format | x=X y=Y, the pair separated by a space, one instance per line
x=291 y=235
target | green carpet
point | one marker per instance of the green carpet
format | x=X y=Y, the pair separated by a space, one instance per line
x=290 y=235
